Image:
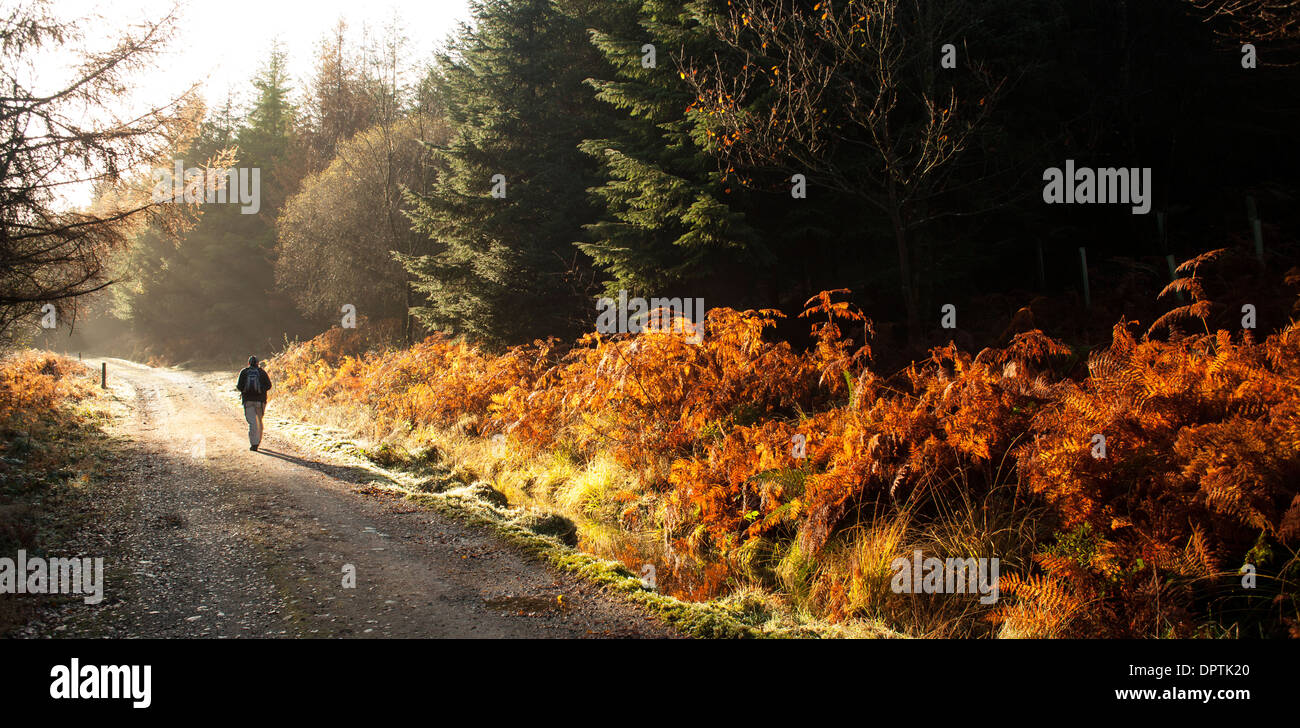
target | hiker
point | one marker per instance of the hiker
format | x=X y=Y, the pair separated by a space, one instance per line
x=253 y=384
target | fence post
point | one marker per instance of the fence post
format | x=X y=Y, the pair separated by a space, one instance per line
x=103 y=375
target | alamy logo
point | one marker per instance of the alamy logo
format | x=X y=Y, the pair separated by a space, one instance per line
x=53 y=576
x=946 y=576
x=217 y=185
x=659 y=315
x=98 y=682
x=1106 y=186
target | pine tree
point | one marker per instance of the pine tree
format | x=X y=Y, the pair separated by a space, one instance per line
x=184 y=297
x=670 y=216
x=215 y=289
x=267 y=137
x=505 y=269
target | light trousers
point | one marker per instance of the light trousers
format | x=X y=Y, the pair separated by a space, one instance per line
x=253 y=412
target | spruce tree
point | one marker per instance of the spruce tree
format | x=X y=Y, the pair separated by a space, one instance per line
x=505 y=269
x=213 y=291
x=670 y=216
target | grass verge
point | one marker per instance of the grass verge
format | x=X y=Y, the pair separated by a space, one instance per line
x=451 y=488
x=54 y=452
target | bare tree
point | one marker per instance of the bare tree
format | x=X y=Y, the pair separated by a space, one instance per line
x=1254 y=20
x=338 y=104
x=851 y=93
x=79 y=136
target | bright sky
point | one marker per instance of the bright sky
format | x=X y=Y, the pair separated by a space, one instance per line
x=220 y=44
x=223 y=42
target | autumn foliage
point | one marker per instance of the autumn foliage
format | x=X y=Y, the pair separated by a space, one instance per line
x=755 y=451
x=32 y=383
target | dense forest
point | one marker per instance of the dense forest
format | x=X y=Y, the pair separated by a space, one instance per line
x=651 y=147
x=945 y=246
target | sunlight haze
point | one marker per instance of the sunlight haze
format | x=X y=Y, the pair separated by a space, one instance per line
x=222 y=44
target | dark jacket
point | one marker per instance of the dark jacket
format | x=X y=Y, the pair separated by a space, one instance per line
x=261 y=375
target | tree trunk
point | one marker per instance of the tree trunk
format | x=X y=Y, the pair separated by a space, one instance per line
x=408 y=328
x=905 y=272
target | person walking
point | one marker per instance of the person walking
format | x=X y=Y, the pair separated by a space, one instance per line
x=253 y=384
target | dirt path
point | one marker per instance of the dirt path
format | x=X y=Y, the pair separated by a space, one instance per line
x=208 y=539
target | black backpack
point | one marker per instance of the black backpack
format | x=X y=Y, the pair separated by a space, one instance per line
x=253 y=381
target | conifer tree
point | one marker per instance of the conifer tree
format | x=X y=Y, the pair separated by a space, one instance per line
x=670 y=215
x=505 y=268
x=215 y=288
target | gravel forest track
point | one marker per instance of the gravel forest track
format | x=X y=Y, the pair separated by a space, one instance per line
x=204 y=538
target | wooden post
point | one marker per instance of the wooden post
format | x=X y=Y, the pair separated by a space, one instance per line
x=1083 y=262
x=103 y=375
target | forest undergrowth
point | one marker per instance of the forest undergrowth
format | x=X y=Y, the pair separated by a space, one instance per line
x=740 y=464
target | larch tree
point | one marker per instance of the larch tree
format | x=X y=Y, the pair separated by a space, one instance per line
x=52 y=250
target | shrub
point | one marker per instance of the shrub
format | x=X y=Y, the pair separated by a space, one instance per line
x=1200 y=475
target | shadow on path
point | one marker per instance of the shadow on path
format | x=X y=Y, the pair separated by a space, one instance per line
x=349 y=473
